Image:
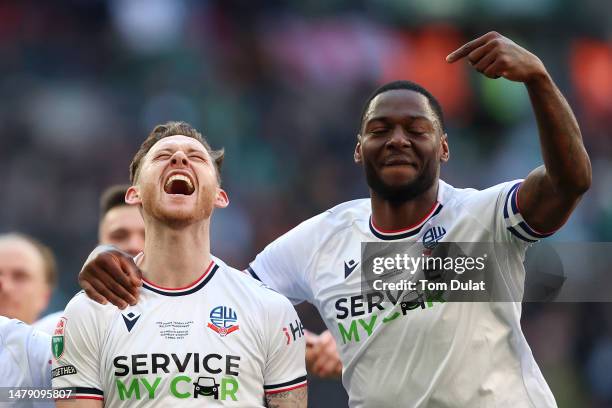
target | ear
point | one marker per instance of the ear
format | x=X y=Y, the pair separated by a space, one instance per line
x=132 y=197
x=357 y=153
x=444 y=152
x=222 y=200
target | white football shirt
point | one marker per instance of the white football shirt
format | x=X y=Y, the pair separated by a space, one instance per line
x=461 y=354
x=47 y=323
x=25 y=359
x=224 y=340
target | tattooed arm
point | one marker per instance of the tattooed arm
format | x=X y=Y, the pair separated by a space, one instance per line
x=297 y=398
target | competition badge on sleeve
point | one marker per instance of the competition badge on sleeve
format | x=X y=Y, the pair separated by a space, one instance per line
x=57 y=341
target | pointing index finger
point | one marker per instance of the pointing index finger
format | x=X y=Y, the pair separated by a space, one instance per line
x=466 y=48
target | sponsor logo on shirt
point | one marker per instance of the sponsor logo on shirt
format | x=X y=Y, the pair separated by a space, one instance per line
x=206 y=386
x=369 y=311
x=293 y=331
x=183 y=376
x=223 y=320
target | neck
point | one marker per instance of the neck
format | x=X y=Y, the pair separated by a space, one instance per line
x=391 y=216
x=176 y=258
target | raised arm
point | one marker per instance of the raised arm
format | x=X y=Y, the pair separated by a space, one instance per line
x=550 y=192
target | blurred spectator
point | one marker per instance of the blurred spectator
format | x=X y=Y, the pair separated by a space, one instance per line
x=121 y=224
x=28 y=275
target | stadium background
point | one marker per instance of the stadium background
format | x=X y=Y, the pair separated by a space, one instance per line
x=280 y=85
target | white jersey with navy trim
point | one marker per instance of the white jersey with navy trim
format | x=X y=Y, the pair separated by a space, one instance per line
x=224 y=340
x=25 y=360
x=457 y=354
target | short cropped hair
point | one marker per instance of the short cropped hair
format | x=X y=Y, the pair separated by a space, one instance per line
x=113 y=196
x=173 y=129
x=410 y=86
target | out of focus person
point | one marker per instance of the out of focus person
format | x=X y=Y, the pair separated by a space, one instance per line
x=121 y=225
x=28 y=275
x=322 y=358
x=25 y=358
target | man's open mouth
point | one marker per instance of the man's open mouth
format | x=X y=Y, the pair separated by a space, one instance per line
x=179 y=184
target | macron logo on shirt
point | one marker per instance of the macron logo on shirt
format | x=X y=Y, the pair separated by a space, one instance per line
x=130 y=319
x=349 y=267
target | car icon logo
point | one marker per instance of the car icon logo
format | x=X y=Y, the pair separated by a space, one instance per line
x=206 y=386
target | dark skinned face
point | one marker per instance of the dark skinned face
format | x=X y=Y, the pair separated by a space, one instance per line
x=401 y=145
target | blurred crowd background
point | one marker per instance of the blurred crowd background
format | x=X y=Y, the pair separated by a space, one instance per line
x=280 y=85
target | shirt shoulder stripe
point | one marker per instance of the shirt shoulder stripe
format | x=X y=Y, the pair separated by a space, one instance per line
x=515 y=223
x=286 y=386
x=83 y=393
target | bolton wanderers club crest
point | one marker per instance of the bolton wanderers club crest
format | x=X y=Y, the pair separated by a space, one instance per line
x=223 y=320
x=432 y=236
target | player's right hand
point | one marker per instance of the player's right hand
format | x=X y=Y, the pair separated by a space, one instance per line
x=110 y=275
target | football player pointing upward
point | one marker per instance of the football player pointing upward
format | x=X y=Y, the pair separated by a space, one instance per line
x=202 y=333
x=442 y=354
